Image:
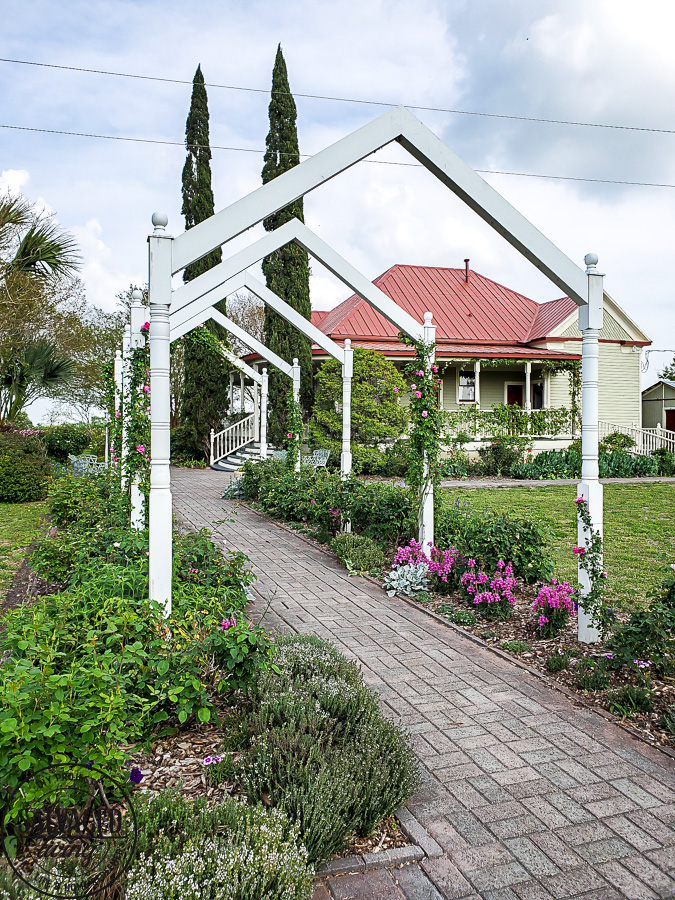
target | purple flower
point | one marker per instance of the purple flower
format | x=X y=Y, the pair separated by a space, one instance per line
x=135 y=776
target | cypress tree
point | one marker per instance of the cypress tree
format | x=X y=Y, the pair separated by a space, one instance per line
x=286 y=270
x=205 y=399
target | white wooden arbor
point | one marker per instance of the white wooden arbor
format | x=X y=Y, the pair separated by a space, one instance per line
x=168 y=255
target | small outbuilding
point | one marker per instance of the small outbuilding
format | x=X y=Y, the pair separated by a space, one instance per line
x=658 y=405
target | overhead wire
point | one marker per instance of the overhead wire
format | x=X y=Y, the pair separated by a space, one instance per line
x=381 y=162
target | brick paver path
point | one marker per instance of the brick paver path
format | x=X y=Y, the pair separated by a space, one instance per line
x=529 y=797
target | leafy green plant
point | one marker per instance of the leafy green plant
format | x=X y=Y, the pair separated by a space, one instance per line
x=557 y=662
x=628 y=700
x=617 y=441
x=668 y=720
x=647 y=639
x=458 y=616
x=409 y=580
x=24 y=469
x=503 y=452
x=62 y=440
x=665 y=460
x=593 y=675
x=516 y=646
x=361 y=552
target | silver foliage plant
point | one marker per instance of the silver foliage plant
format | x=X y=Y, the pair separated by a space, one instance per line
x=406 y=580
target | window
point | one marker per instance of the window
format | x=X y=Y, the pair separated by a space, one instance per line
x=467 y=387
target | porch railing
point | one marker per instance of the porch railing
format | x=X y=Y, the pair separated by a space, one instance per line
x=232 y=438
x=502 y=420
x=646 y=439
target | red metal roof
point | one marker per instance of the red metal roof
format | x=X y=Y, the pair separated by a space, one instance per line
x=477 y=311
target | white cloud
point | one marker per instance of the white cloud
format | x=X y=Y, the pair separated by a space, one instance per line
x=13 y=180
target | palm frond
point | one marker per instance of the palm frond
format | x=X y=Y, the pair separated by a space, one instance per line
x=45 y=250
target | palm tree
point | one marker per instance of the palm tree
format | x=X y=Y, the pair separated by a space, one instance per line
x=36 y=259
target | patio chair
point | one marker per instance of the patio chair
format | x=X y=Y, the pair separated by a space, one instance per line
x=317 y=459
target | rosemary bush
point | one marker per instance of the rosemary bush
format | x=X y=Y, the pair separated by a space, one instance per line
x=360 y=552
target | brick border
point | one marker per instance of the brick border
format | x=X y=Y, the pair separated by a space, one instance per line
x=552 y=685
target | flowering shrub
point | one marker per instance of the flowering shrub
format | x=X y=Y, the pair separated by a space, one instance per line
x=555 y=603
x=493 y=597
x=442 y=565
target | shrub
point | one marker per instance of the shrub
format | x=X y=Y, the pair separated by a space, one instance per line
x=617 y=441
x=628 y=700
x=456 y=464
x=24 y=468
x=321 y=750
x=60 y=440
x=499 y=457
x=488 y=536
x=360 y=552
x=555 y=603
x=592 y=676
x=557 y=661
x=620 y=464
x=516 y=646
x=648 y=638
x=231 y=852
x=458 y=616
x=665 y=460
x=615 y=463
x=491 y=597
x=444 y=566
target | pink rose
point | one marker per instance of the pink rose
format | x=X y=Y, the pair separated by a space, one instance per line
x=141 y=448
x=424 y=413
x=396 y=390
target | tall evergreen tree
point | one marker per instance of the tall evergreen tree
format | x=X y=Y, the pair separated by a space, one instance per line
x=286 y=270
x=205 y=386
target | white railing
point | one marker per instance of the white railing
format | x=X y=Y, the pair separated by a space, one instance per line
x=646 y=439
x=232 y=439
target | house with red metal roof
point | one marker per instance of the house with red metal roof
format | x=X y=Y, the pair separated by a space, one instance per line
x=495 y=346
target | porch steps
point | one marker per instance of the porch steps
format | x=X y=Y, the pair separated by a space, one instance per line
x=236 y=460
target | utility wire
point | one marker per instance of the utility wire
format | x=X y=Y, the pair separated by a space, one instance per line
x=252 y=90
x=645 y=362
x=380 y=162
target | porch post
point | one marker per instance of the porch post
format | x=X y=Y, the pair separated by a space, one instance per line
x=295 y=374
x=263 y=415
x=528 y=385
x=256 y=410
x=161 y=536
x=590 y=323
x=136 y=340
x=231 y=393
x=426 y=518
x=242 y=399
x=347 y=374
x=126 y=343
x=476 y=390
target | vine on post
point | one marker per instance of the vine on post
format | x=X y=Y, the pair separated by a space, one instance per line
x=114 y=417
x=294 y=433
x=136 y=412
x=590 y=560
x=426 y=416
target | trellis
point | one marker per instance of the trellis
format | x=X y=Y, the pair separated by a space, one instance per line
x=169 y=255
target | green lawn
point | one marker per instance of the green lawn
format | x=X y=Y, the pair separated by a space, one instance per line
x=639 y=528
x=18 y=524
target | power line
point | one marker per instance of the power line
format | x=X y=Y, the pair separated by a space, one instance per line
x=381 y=162
x=252 y=90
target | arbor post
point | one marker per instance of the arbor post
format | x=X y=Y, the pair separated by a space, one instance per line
x=161 y=534
x=426 y=517
x=347 y=375
x=256 y=411
x=295 y=375
x=242 y=398
x=231 y=403
x=117 y=374
x=263 y=414
x=126 y=343
x=136 y=320
x=589 y=488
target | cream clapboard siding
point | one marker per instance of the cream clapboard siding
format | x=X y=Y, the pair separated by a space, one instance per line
x=620 y=397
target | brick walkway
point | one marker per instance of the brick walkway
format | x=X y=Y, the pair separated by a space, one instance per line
x=528 y=797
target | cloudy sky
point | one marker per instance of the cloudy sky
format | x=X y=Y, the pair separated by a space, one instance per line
x=601 y=62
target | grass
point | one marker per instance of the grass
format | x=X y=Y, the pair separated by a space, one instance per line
x=639 y=529
x=18 y=524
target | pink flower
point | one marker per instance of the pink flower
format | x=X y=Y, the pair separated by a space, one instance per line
x=145 y=327
x=313 y=502
x=418 y=394
x=117 y=415
x=146 y=388
x=413 y=387
x=434 y=369
x=290 y=434
x=424 y=413
x=580 y=500
x=396 y=390
x=141 y=448
x=579 y=550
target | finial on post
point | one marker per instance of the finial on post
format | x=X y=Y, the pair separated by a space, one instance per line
x=591 y=260
x=427 y=318
x=295 y=361
x=136 y=297
x=348 y=343
x=160 y=221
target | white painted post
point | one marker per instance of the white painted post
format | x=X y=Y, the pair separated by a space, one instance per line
x=256 y=410
x=136 y=319
x=263 y=415
x=126 y=342
x=295 y=374
x=590 y=323
x=347 y=374
x=528 y=385
x=161 y=535
x=231 y=410
x=242 y=396
x=426 y=520
x=476 y=390
x=117 y=372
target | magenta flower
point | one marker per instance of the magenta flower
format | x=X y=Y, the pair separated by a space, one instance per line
x=434 y=369
x=424 y=413
x=579 y=550
x=146 y=388
x=117 y=415
x=290 y=434
x=580 y=500
x=396 y=390
x=141 y=448
x=145 y=327
x=418 y=394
